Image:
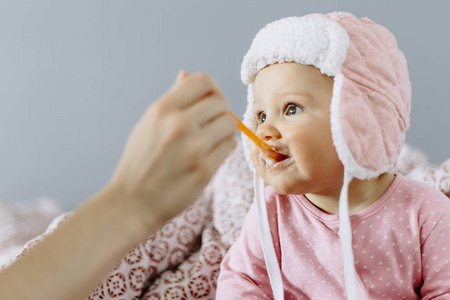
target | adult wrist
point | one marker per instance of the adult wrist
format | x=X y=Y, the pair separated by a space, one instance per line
x=130 y=214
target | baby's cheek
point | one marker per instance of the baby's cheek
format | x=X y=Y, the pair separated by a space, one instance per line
x=255 y=156
x=258 y=163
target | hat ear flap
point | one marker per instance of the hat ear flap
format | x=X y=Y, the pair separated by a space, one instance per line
x=343 y=148
x=371 y=100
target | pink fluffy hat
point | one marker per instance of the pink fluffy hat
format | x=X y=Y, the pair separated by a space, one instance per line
x=369 y=108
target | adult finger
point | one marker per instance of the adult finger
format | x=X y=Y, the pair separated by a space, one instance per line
x=191 y=89
x=218 y=130
x=188 y=89
x=181 y=76
x=207 y=109
x=220 y=152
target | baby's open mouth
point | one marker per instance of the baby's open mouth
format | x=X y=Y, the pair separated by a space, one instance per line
x=275 y=160
x=274 y=155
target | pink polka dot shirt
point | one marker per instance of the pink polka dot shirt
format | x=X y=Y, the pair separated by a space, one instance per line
x=401 y=247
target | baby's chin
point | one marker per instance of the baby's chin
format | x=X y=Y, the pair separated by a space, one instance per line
x=283 y=188
x=279 y=185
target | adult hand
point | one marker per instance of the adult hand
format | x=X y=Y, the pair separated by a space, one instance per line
x=175 y=148
x=170 y=156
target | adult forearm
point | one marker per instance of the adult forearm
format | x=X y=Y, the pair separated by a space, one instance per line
x=73 y=260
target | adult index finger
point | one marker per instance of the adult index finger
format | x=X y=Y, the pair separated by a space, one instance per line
x=191 y=89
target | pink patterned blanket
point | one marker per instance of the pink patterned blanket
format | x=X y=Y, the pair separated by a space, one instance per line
x=182 y=260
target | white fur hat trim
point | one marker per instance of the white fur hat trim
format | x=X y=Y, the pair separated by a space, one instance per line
x=311 y=40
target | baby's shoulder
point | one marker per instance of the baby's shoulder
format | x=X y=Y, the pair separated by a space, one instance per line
x=429 y=208
x=420 y=193
x=428 y=204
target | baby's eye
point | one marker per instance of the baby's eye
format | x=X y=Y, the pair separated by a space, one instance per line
x=292 y=109
x=261 y=118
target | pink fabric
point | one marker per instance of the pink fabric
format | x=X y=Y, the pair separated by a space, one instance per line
x=189 y=266
x=376 y=93
x=401 y=245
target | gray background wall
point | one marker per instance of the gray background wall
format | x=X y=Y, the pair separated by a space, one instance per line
x=75 y=76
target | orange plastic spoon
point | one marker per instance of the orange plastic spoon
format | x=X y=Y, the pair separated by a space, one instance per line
x=266 y=149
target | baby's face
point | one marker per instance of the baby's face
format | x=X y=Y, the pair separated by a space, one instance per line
x=292 y=108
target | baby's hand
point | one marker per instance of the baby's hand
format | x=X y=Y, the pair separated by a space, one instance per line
x=175 y=149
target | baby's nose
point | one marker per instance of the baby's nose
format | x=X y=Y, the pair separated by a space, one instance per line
x=267 y=131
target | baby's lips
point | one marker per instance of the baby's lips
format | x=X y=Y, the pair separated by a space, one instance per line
x=274 y=155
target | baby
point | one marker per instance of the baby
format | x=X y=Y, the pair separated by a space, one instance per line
x=332 y=94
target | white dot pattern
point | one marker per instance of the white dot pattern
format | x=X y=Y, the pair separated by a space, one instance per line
x=401 y=247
